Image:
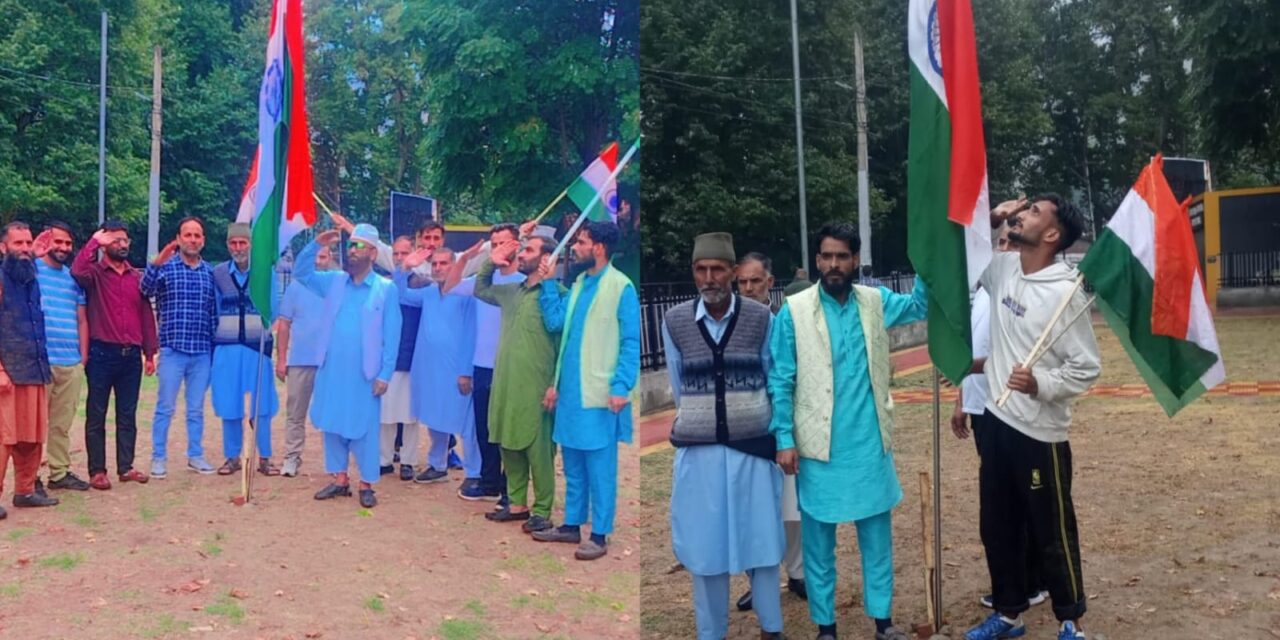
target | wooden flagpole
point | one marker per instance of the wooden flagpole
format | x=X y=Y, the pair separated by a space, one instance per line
x=1035 y=350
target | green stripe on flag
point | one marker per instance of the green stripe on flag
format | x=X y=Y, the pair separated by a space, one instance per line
x=934 y=243
x=1171 y=367
x=581 y=193
x=266 y=226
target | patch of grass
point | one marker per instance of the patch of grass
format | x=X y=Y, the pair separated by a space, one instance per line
x=514 y=563
x=84 y=520
x=227 y=607
x=11 y=590
x=365 y=513
x=463 y=630
x=476 y=607
x=64 y=561
x=18 y=534
x=547 y=564
x=545 y=604
x=211 y=547
x=165 y=625
x=375 y=604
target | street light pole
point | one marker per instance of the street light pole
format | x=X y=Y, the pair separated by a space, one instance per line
x=795 y=67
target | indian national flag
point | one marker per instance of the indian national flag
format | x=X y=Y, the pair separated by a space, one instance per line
x=277 y=198
x=948 y=215
x=1146 y=272
x=595 y=179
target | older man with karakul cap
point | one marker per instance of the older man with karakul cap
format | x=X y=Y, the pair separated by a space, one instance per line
x=726 y=488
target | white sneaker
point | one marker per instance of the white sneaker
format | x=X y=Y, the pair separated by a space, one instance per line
x=1038 y=598
x=290 y=468
x=200 y=466
x=159 y=470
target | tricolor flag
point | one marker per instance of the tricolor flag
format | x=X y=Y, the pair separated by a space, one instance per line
x=948 y=217
x=1146 y=272
x=595 y=179
x=277 y=198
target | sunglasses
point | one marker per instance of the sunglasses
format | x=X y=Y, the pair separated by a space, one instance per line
x=357 y=244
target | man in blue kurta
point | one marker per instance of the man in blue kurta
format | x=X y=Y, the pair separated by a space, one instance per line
x=239 y=370
x=832 y=416
x=358 y=358
x=598 y=366
x=725 y=488
x=441 y=371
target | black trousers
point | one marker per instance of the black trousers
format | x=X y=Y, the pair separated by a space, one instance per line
x=1025 y=492
x=118 y=369
x=491 y=476
x=1035 y=581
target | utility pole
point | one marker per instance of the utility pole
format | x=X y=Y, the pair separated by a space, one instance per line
x=102 y=125
x=795 y=67
x=864 y=188
x=153 y=204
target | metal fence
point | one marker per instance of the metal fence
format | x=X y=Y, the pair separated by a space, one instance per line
x=1250 y=269
x=656 y=298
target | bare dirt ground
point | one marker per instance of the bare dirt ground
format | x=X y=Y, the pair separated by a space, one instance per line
x=1179 y=518
x=175 y=559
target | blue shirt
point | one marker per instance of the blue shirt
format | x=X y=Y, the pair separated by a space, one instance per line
x=858 y=459
x=60 y=299
x=302 y=308
x=186 y=302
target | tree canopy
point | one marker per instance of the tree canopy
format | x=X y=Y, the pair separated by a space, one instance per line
x=1077 y=95
x=492 y=107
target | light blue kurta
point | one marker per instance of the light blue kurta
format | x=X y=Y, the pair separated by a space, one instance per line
x=725 y=504
x=859 y=481
x=444 y=351
x=578 y=427
x=344 y=403
x=235 y=372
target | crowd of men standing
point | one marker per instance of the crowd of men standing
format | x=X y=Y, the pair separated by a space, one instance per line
x=503 y=365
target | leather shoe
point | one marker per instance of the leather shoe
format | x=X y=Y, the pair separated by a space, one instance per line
x=507 y=515
x=367 y=499
x=797 y=587
x=744 y=603
x=133 y=475
x=33 y=500
x=99 y=481
x=334 y=491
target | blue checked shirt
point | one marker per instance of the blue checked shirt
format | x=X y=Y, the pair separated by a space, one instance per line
x=185 y=302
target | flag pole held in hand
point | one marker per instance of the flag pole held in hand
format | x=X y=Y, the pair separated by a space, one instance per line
x=1036 y=349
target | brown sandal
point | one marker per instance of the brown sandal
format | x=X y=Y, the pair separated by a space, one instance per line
x=266 y=468
x=229 y=467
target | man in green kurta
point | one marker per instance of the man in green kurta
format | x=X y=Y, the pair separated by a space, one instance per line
x=522 y=372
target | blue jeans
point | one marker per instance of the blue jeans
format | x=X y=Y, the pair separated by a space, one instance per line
x=177 y=369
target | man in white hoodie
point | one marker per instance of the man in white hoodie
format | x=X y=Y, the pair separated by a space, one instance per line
x=1025 y=478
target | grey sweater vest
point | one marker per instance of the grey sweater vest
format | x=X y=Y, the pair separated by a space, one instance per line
x=724 y=396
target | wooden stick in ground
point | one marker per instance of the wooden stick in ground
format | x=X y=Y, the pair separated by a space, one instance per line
x=926 y=530
x=1062 y=306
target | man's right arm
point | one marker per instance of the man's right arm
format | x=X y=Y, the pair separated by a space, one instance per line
x=782 y=379
x=486 y=290
x=152 y=281
x=304 y=270
x=82 y=266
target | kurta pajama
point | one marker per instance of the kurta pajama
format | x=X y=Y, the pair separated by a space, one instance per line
x=443 y=353
x=523 y=370
x=240 y=374
x=725 y=513
x=588 y=436
x=859 y=483
x=344 y=407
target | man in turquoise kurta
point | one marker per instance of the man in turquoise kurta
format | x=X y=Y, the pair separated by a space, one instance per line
x=358 y=358
x=833 y=429
x=598 y=366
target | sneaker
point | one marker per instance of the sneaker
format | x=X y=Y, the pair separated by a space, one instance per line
x=133 y=475
x=70 y=481
x=892 y=633
x=159 y=470
x=200 y=465
x=1068 y=631
x=995 y=627
x=431 y=476
x=386 y=469
x=406 y=472
x=475 y=493
x=454 y=461
x=503 y=503
x=1036 y=597
x=536 y=523
x=33 y=500
x=290 y=469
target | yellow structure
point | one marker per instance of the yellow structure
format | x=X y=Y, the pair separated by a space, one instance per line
x=1205 y=211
